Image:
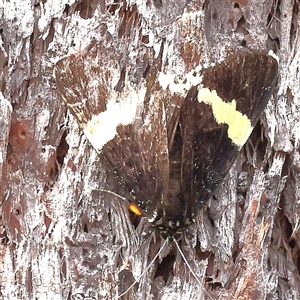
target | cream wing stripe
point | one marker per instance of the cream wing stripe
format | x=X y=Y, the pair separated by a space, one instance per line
x=239 y=126
x=103 y=127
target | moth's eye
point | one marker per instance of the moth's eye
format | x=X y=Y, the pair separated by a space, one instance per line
x=133 y=192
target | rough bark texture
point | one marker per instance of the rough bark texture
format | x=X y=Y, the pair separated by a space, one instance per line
x=61 y=237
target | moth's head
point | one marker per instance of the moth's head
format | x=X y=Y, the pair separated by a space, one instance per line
x=172 y=229
x=167 y=233
x=169 y=226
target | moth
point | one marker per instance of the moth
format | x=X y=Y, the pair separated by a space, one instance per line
x=170 y=140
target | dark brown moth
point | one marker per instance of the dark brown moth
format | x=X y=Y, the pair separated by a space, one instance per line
x=169 y=139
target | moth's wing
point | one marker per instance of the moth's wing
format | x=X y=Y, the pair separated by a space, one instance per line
x=82 y=83
x=127 y=127
x=139 y=157
x=217 y=119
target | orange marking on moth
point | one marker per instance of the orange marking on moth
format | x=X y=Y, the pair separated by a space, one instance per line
x=132 y=207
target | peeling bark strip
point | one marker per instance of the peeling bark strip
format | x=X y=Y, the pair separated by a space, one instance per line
x=5 y=121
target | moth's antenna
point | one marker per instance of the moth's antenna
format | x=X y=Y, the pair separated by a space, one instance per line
x=152 y=261
x=190 y=268
x=148 y=267
x=157 y=254
x=113 y=193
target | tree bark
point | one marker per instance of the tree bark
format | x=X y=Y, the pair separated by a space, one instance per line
x=62 y=237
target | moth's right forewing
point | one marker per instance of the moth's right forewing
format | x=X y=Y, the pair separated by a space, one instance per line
x=129 y=127
x=82 y=84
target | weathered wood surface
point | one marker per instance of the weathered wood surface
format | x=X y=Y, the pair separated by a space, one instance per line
x=61 y=237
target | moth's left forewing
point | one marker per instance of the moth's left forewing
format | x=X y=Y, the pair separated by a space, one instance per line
x=248 y=78
x=217 y=118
